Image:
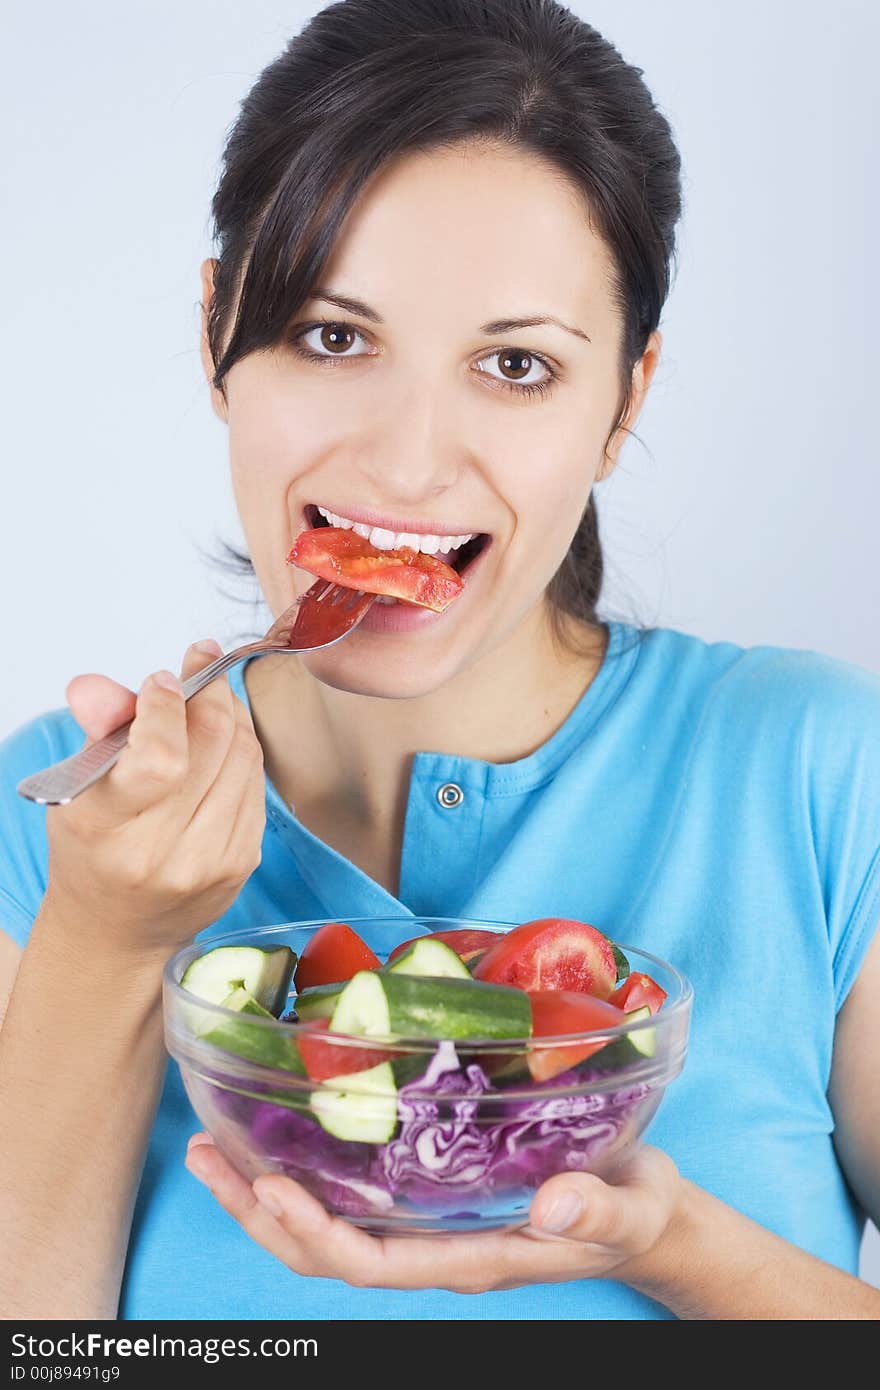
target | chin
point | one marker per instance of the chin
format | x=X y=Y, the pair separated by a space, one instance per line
x=406 y=678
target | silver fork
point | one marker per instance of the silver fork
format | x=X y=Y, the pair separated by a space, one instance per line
x=319 y=618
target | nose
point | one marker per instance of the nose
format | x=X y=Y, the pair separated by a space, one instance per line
x=407 y=453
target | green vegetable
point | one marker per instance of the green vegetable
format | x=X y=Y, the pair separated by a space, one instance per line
x=265 y=975
x=318 y=1001
x=268 y=1047
x=361 y=1106
x=411 y=1006
x=633 y=1047
x=429 y=957
x=620 y=959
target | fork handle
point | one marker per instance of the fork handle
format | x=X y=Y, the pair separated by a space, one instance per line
x=59 y=784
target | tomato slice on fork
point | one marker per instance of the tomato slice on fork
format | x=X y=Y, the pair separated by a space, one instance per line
x=344 y=557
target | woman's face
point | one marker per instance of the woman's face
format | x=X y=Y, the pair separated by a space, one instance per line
x=423 y=406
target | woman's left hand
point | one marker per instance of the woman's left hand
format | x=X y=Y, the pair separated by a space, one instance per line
x=580 y=1228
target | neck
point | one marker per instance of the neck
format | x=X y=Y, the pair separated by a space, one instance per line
x=344 y=758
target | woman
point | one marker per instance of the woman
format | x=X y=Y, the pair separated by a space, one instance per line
x=445 y=232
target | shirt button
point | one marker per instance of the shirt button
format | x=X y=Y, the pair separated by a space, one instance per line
x=450 y=794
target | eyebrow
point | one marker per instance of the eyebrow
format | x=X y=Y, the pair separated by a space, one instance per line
x=496 y=326
x=492 y=329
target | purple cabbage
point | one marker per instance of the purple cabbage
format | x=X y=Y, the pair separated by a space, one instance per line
x=444 y=1148
x=460 y=1140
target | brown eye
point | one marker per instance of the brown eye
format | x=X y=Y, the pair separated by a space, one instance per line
x=335 y=337
x=525 y=372
x=514 y=364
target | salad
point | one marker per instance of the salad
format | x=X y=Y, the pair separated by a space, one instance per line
x=394 y=1092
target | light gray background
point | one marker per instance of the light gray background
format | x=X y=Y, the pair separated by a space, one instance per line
x=749 y=510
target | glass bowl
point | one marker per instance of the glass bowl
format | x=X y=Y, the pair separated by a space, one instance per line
x=462 y=1136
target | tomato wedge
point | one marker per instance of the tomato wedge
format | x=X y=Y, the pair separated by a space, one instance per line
x=344 y=557
x=334 y=953
x=466 y=942
x=556 y=1012
x=638 y=990
x=323 y=1059
x=551 y=953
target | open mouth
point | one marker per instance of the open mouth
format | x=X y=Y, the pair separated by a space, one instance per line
x=459 y=560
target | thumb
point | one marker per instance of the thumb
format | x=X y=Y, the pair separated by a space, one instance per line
x=99 y=704
x=626 y=1214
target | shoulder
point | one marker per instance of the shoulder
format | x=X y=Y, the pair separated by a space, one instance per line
x=765 y=689
x=45 y=739
x=54 y=734
x=788 y=742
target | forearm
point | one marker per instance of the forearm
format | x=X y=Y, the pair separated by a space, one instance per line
x=714 y=1263
x=81 y=1067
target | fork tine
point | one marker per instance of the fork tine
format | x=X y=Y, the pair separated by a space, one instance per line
x=324 y=614
x=334 y=595
x=345 y=597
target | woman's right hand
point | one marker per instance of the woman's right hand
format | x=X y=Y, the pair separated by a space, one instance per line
x=161 y=845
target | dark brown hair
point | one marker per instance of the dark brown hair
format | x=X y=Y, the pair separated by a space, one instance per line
x=367 y=80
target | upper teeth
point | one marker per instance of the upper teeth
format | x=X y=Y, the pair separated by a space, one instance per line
x=392 y=540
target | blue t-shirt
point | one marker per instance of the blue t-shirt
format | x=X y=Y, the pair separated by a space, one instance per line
x=714 y=805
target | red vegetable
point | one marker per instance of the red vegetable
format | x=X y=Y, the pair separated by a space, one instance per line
x=335 y=952
x=638 y=990
x=557 y=1012
x=323 y=1059
x=466 y=942
x=551 y=953
x=344 y=557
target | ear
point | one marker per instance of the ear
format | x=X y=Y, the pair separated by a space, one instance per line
x=218 y=401
x=642 y=374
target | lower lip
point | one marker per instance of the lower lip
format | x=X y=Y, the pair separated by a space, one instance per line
x=406 y=617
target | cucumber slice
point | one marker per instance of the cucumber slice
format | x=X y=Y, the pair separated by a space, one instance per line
x=241 y=1002
x=429 y=957
x=361 y=1106
x=620 y=959
x=265 y=975
x=362 y=1006
x=634 y=1047
x=318 y=1001
x=264 y=1046
x=414 y=1006
x=644 y=1041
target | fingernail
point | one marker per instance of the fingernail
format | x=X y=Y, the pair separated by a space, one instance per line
x=269 y=1201
x=167 y=680
x=209 y=647
x=196 y=1164
x=563 y=1212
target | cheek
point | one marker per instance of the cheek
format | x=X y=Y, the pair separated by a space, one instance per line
x=276 y=434
x=274 y=441
x=547 y=479
x=545 y=474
